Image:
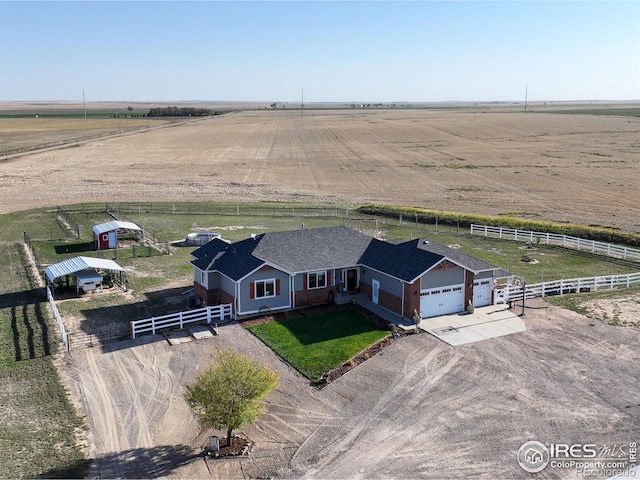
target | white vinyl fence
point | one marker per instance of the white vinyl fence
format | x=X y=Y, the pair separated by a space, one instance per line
x=200 y=315
x=578 y=243
x=514 y=291
x=56 y=315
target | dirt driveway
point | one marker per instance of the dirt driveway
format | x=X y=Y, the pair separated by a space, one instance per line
x=421 y=408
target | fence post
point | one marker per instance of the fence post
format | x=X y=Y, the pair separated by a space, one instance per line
x=180 y=317
x=153 y=325
x=208 y=314
x=133 y=329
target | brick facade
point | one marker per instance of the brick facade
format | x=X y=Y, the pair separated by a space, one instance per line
x=305 y=298
x=411 y=298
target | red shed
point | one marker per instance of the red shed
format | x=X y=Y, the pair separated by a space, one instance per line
x=105 y=235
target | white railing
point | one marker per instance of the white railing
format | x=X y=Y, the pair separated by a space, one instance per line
x=505 y=293
x=578 y=243
x=56 y=315
x=180 y=319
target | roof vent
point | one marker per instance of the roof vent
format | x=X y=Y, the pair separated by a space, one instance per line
x=253 y=235
x=425 y=242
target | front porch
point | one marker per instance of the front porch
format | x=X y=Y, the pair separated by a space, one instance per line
x=366 y=303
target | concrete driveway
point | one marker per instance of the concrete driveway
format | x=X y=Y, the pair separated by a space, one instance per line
x=484 y=323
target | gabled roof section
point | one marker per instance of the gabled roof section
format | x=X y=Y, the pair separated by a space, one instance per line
x=114 y=225
x=313 y=249
x=470 y=263
x=403 y=261
x=77 y=264
x=325 y=248
x=233 y=260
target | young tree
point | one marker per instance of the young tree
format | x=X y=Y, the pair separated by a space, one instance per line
x=230 y=392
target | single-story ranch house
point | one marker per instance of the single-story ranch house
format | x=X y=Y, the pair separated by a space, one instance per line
x=286 y=270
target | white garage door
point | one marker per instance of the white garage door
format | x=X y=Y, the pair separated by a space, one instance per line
x=482 y=293
x=441 y=301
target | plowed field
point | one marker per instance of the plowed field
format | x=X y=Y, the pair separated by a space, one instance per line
x=564 y=167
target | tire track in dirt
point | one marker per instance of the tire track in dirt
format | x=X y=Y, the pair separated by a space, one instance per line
x=350 y=166
x=372 y=426
x=105 y=418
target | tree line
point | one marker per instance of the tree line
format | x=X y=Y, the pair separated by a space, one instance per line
x=180 y=112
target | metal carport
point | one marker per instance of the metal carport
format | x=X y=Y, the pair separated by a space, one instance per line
x=78 y=264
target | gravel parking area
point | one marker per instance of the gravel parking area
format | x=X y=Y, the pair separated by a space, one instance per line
x=420 y=408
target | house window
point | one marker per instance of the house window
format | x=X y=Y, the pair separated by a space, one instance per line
x=317 y=280
x=203 y=278
x=265 y=288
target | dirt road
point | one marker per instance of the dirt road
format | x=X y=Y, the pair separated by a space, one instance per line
x=419 y=409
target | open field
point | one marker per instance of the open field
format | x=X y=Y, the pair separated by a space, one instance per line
x=579 y=168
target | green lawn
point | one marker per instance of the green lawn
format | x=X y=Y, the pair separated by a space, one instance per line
x=318 y=343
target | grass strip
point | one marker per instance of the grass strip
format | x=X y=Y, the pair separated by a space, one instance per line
x=423 y=215
x=39 y=424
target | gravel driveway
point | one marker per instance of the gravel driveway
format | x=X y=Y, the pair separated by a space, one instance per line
x=420 y=408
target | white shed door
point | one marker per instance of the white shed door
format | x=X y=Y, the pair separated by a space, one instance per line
x=113 y=240
x=482 y=293
x=441 y=301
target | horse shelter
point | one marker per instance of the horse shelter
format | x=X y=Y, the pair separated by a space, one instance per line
x=85 y=274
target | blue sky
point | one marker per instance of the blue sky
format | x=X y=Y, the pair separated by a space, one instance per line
x=337 y=51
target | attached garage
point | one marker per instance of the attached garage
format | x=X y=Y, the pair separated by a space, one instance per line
x=482 y=292
x=441 y=301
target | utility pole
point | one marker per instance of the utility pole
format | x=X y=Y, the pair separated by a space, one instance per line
x=526 y=89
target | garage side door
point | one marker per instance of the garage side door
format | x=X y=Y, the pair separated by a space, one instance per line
x=441 y=301
x=482 y=293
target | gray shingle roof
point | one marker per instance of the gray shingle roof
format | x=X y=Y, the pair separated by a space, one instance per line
x=328 y=247
x=313 y=249
x=403 y=261
x=233 y=260
x=471 y=263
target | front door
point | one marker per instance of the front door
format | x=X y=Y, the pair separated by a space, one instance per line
x=352 y=279
x=375 y=289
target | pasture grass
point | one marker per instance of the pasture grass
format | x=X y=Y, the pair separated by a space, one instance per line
x=37 y=431
x=553 y=262
x=316 y=344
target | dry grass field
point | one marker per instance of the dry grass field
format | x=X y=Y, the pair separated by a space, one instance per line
x=579 y=168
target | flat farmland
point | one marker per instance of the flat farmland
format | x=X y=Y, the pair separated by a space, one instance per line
x=578 y=168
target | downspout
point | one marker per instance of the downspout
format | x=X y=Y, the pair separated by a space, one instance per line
x=236 y=299
x=403 y=305
x=293 y=291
